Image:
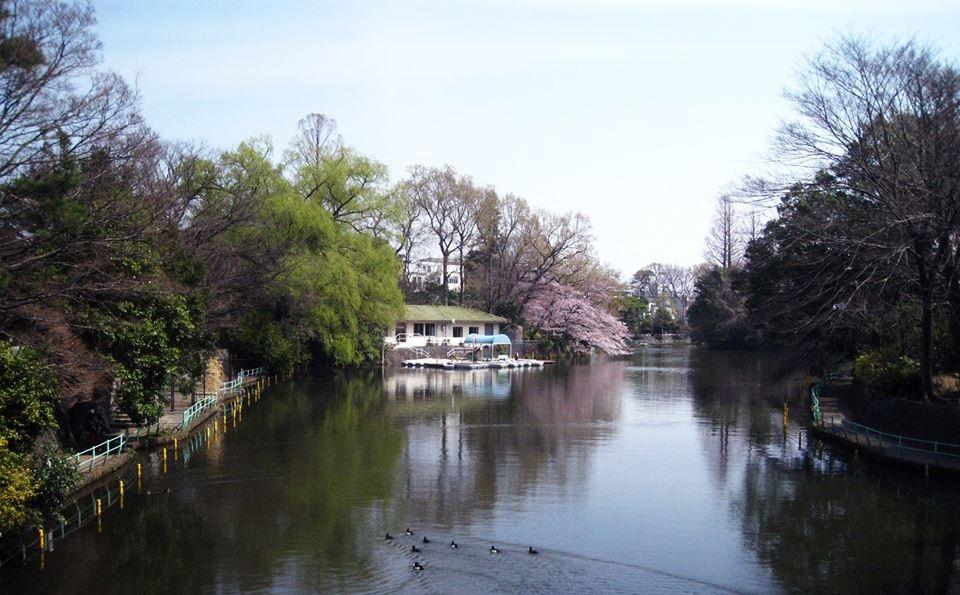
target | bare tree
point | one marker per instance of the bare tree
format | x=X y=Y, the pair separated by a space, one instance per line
x=679 y=283
x=435 y=191
x=722 y=243
x=885 y=121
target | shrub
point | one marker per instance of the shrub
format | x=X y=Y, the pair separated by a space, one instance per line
x=888 y=373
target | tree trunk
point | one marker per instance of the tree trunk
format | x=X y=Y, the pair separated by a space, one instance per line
x=926 y=345
x=953 y=298
x=443 y=279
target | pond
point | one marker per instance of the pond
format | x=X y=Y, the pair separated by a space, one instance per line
x=670 y=470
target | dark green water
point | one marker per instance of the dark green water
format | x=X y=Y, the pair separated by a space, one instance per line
x=669 y=471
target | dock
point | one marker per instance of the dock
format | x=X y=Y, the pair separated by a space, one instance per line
x=457 y=364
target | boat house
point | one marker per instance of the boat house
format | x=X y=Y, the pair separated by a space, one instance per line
x=443 y=325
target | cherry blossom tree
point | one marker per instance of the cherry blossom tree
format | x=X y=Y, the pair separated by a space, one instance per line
x=565 y=315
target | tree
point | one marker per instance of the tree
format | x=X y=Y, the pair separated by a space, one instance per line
x=722 y=243
x=437 y=194
x=54 y=102
x=885 y=121
x=679 y=284
x=563 y=316
x=352 y=187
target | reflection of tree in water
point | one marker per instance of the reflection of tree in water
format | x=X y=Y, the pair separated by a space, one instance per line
x=816 y=525
x=288 y=496
x=469 y=446
x=739 y=398
x=818 y=533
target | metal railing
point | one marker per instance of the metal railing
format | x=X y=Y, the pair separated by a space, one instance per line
x=99 y=453
x=872 y=437
x=193 y=411
x=244 y=374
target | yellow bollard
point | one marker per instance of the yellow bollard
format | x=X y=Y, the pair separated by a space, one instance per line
x=164 y=454
x=174 y=444
x=43 y=538
x=139 y=471
x=99 y=507
x=121 y=487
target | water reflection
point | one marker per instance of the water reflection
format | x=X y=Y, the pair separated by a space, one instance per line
x=672 y=470
x=482 y=437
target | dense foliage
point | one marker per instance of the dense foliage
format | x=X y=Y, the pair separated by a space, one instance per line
x=862 y=259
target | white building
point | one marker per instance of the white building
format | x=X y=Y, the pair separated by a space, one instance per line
x=442 y=325
x=428 y=270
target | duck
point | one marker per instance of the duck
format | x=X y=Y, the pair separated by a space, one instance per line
x=388 y=537
x=417 y=566
x=408 y=531
x=414 y=549
x=453 y=544
x=532 y=551
x=494 y=550
x=425 y=540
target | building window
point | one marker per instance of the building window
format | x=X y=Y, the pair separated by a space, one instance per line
x=488 y=329
x=401 y=332
x=430 y=330
x=458 y=331
x=474 y=330
x=418 y=328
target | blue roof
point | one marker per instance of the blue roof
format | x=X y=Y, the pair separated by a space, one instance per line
x=475 y=339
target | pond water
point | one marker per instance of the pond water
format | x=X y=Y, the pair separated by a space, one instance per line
x=671 y=470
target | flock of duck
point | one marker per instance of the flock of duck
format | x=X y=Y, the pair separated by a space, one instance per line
x=453 y=545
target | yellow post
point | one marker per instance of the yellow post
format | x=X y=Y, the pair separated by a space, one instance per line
x=139 y=471
x=174 y=444
x=43 y=538
x=99 y=507
x=121 y=487
x=164 y=454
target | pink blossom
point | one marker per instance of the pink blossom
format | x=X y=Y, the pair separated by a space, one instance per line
x=562 y=312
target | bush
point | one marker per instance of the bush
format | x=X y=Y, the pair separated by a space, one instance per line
x=895 y=375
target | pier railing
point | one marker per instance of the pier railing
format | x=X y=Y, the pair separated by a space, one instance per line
x=98 y=454
x=884 y=441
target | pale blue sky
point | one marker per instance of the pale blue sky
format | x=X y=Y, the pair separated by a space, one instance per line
x=635 y=113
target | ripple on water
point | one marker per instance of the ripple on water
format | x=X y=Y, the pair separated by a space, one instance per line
x=471 y=568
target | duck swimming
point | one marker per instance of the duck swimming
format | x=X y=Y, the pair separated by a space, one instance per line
x=388 y=537
x=408 y=531
x=494 y=550
x=417 y=566
x=454 y=544
x=532 y=551
x=425 y=540
x=414 y=549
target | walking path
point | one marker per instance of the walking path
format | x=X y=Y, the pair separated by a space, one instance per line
x=831 y=421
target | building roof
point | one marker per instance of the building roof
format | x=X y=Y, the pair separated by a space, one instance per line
x=473 y=339
x=445 y=313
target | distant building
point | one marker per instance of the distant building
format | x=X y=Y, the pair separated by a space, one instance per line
x=427 y=271
x=442 y=325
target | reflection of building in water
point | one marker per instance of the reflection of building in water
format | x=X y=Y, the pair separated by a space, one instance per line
x=416 y=384
x=475 y=437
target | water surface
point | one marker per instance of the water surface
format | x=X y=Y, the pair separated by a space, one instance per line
x=668 y=471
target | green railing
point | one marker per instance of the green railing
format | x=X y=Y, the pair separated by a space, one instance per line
x=244 y=374
x=872 y=437
x=99 y=453
x=817 y=389
x=193 y=411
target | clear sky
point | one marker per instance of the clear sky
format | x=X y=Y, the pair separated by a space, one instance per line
x=636 y=113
